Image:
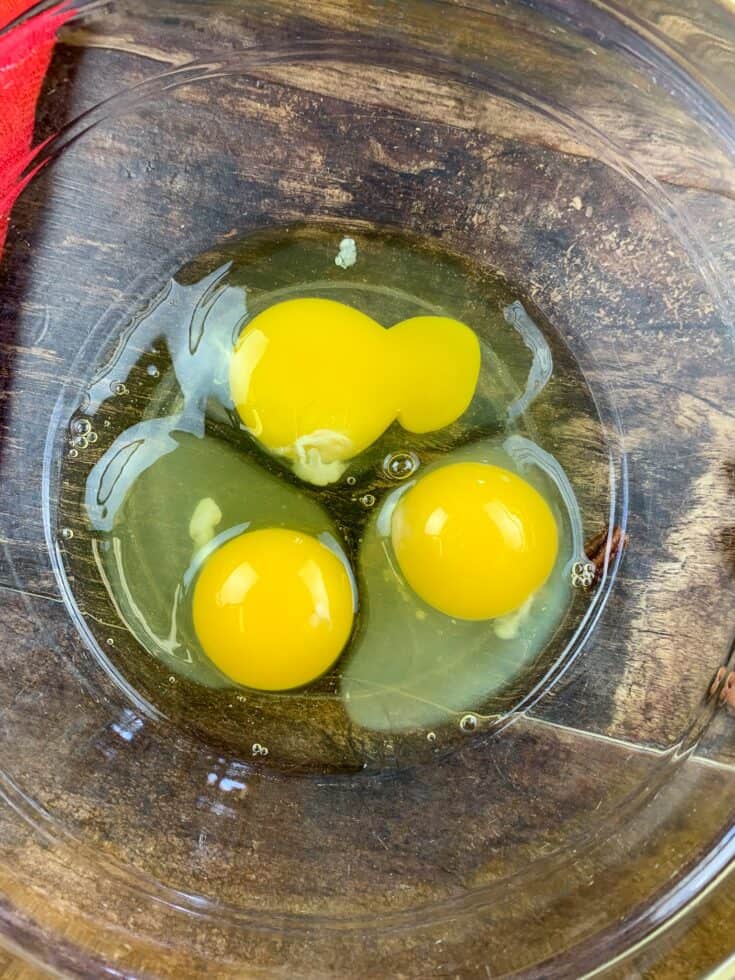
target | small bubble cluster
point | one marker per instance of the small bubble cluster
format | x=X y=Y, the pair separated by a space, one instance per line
x=82 y=436
x=583 y=575
x=258 y=749
x=152 y=371
x=67 y=533
x=399 y=466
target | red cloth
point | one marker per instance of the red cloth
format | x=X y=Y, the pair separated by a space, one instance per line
x=25 y=53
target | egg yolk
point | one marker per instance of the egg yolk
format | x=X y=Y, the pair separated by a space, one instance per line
x=439 y=362
x=474 y=541
x=273 y=609
x=317 y=381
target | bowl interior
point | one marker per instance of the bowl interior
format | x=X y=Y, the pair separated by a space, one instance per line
x=559 y=156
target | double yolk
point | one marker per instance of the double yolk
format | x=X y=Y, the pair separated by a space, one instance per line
x=317 y=382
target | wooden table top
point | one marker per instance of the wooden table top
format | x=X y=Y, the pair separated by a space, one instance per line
x=103 y=57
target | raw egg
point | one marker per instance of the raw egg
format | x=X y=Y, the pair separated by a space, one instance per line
x=446 y=628
x=316 y=381
x=185 y=505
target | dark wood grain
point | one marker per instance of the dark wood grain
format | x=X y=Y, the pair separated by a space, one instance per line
x=603 y=268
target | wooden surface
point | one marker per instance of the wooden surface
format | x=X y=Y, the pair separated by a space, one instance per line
x=534 y=201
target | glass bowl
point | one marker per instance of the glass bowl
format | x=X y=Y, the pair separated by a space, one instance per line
x=582 y=152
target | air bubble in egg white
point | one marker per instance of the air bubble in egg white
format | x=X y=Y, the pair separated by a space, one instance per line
x=400 y=466
x=81 y=427
x=583 y=575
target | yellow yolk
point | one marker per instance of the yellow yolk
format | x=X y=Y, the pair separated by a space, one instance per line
x=439 y=362
x=473 y=540
x=273 y=609
x=317 y=381
x=308 y=378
